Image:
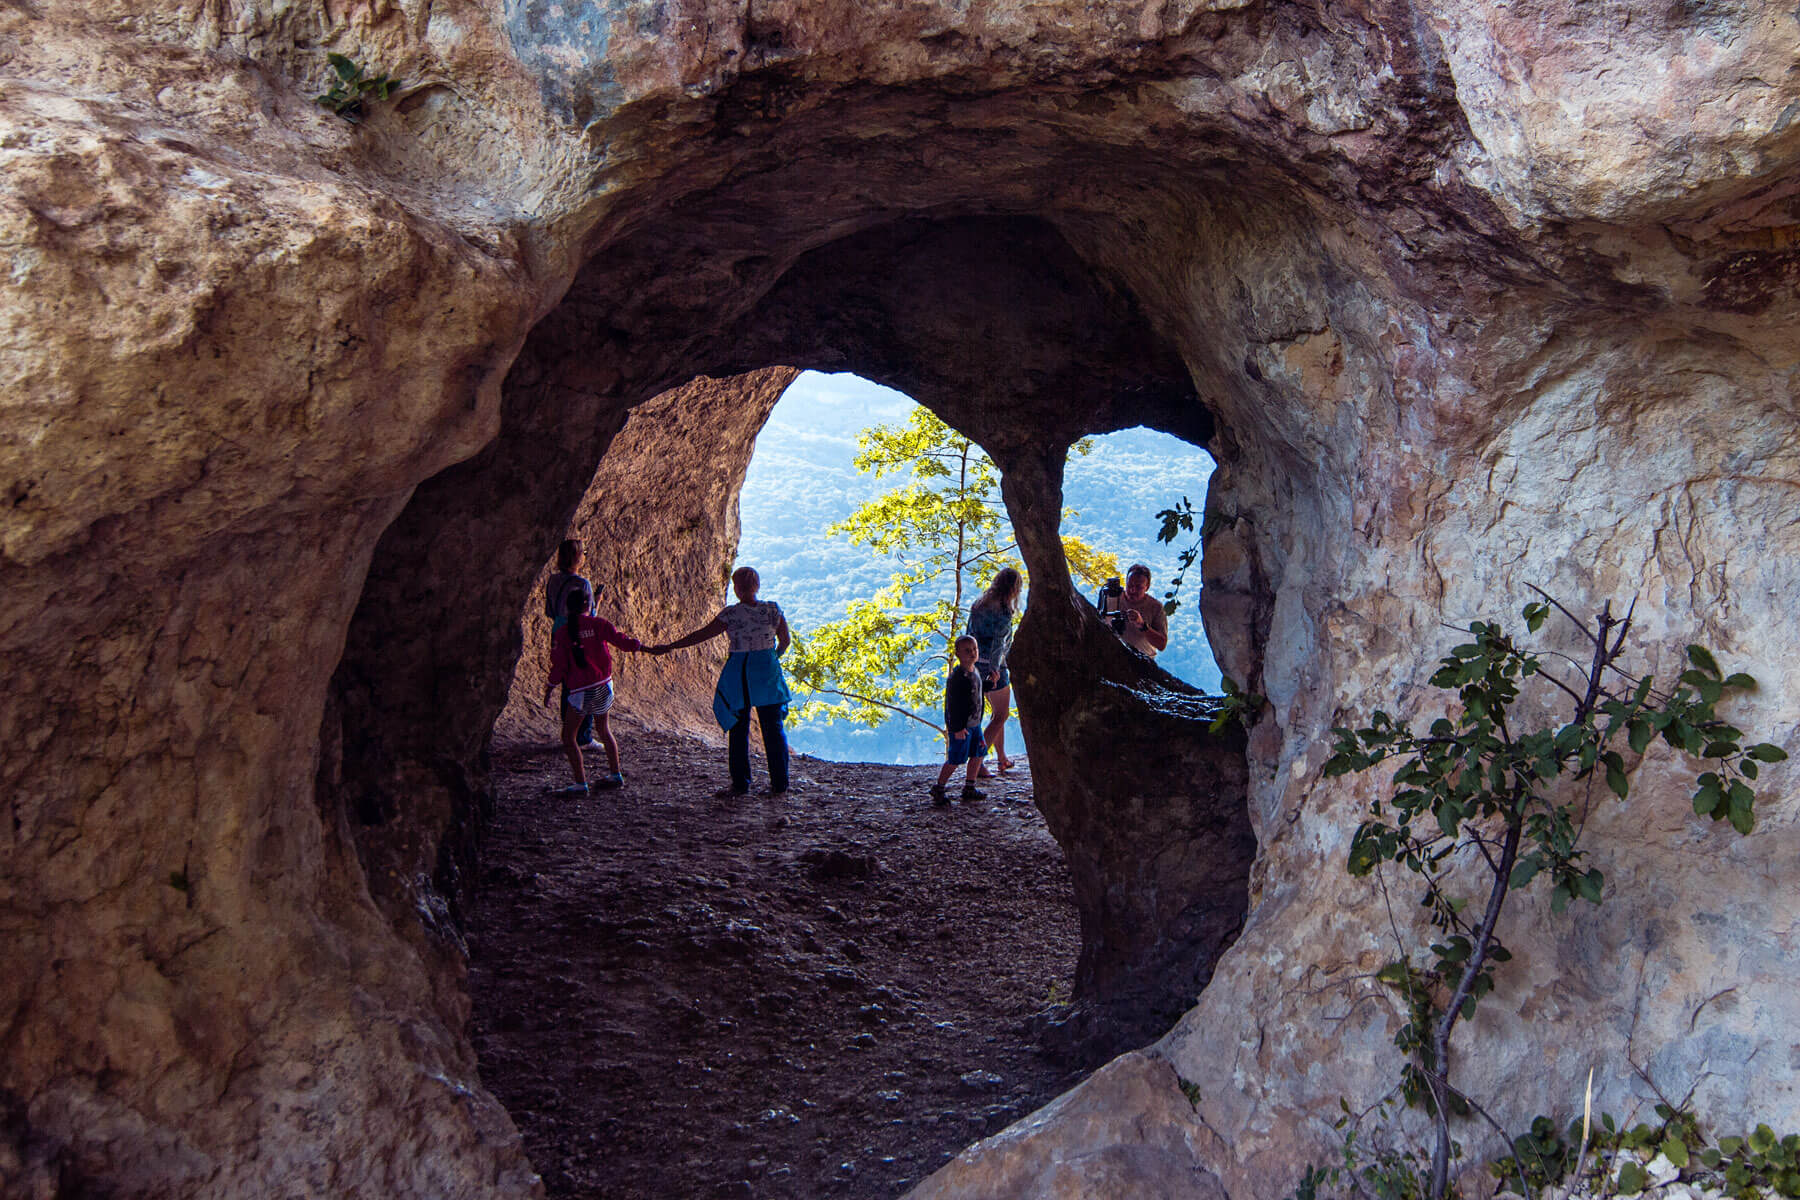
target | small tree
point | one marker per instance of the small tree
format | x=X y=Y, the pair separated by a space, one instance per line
x=1475 y=794
x=885 y=658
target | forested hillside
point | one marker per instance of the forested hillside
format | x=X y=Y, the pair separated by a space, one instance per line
x=801 y=480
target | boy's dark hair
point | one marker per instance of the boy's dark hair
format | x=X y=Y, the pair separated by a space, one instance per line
x=565 y=554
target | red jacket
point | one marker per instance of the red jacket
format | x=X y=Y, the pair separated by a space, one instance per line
x=596 y=632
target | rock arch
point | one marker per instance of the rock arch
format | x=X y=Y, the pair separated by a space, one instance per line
x=995 y=323
x=1454 y=339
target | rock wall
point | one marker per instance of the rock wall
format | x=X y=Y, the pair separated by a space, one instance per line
x=1462 y=297
x=659 y=530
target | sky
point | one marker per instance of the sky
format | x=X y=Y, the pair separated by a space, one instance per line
x=801 y=479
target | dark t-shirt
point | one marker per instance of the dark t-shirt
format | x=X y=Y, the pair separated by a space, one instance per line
x=962 y=699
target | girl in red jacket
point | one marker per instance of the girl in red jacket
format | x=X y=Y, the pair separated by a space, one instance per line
x=579 y=658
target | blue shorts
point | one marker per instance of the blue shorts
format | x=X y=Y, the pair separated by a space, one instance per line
x=958 y=750
x=1005 y=680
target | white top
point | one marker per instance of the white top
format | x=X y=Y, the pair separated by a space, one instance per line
x=751 y=626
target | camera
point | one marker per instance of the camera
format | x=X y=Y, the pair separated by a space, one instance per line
x=1108 y=602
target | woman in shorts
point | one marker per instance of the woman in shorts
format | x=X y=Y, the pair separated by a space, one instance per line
x=991 y=625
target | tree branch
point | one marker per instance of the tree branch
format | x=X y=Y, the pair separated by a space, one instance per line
x=874 y=703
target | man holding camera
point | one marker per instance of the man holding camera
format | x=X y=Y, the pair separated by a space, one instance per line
x=1136 y=616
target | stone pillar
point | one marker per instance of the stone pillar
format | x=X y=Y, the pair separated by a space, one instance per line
x=1147 y=803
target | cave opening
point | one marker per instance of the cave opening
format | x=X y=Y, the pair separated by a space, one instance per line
x=803 y=481
x=1117 y=489
x=641 y=446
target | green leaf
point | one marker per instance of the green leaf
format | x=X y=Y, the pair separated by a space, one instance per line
x=1729 y=1146
x=1639 y=735
x=1590 y=885
x=1559 y=897
x=1762 y=1139
x=1456 y=950
x=1768 y=752
x=1738 y=679
x=1676 y=1151
x=1449 y=816
x=1707 y=795
x=1366 y=848
x=1631 y=1179
x=1701 y=657
x=1395 y=973
x=1524 y=871
x=1615 y=779
x=1741 y=811
x=346 y=70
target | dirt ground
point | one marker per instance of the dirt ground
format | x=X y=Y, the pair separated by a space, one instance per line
x=825 y=993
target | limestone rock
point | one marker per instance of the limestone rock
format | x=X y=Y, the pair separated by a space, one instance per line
x=1462 y=297
x=1077 y=1147
x=659 y=530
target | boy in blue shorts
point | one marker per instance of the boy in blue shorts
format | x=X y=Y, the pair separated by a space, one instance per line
x=962 y=724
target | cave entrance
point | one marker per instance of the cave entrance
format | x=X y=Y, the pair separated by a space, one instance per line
x=801 y=481
x=625 y=407
x=1115 y=493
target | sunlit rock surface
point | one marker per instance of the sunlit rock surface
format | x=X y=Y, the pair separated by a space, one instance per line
x=658 y=528
x=1464 y=296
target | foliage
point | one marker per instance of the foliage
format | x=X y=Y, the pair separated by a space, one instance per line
x=1744 y=1167
x=1190 y=1090
x=1375 y=1172
x=1175 y=522
x=351 y=89
x=1238 y=705
x=887 y=656
x=1476 y=797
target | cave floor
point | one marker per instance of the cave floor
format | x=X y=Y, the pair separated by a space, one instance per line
x=826 y=993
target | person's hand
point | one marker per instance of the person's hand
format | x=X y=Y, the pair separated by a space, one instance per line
x=547 y=693
x=993 y=677
x=960 y=734
x=1134 y=618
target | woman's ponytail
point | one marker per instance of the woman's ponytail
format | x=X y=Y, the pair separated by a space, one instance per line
x=574 y=604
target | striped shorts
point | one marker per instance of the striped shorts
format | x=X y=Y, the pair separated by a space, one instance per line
x=593 y=702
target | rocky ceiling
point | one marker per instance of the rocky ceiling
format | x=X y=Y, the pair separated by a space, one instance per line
x=1463 y=297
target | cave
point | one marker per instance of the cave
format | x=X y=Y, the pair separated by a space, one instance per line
x=1460 y=300
x=998 y=327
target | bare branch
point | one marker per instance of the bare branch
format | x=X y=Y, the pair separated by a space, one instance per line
x=875 y=703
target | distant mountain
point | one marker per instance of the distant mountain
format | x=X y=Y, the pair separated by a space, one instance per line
x=801 y=480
